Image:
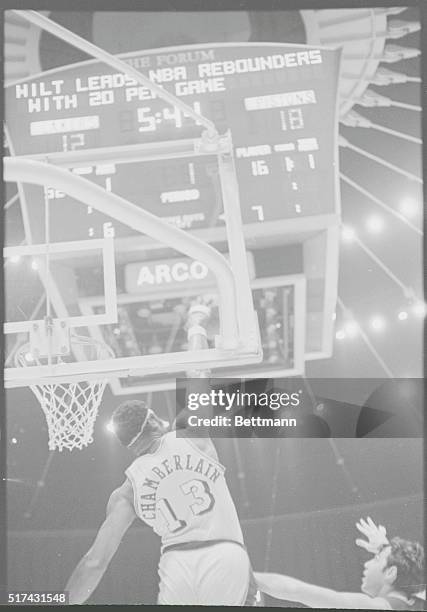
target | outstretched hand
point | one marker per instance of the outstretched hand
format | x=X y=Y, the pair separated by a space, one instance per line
x=197 y=320
x=198 y=314
x=376 y=535
x=200 y=310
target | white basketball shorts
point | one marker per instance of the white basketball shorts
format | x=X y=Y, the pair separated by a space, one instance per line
x=216 y=575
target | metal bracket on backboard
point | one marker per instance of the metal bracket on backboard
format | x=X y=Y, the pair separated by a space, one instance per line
x=214 y=145
x=49 y=337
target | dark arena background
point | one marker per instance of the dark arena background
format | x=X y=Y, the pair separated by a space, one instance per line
x=333 y=235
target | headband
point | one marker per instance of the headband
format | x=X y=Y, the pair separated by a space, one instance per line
x=134 y=439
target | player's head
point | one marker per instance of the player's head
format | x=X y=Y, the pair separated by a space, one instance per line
x=136 y=426
x=398 y=566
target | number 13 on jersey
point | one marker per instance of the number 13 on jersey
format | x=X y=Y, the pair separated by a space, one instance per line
x=200 y=501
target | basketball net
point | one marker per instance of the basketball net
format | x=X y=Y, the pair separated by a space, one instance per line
x=70 y=408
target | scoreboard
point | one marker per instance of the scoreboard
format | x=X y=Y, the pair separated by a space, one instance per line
x=278 y=101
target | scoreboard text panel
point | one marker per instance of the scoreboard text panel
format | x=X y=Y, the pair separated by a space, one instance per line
x=279 y=101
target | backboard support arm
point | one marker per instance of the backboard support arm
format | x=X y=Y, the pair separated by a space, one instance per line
x=238 y=326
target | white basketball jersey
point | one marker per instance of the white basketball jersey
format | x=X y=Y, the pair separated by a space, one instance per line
x=182 y=494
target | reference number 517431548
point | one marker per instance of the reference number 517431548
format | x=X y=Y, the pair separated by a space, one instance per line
x=37 y=598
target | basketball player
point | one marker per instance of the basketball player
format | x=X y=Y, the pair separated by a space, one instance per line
x=176 y=485
x=391 y=578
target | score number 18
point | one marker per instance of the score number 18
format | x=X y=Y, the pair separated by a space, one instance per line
x=292 y=117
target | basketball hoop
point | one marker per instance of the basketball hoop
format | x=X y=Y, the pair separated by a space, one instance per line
x=70 y=408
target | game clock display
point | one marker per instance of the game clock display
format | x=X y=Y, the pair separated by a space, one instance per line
x=278 y=101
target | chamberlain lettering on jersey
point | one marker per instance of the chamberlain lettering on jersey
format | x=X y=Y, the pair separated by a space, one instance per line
x=189 y=462
x=181 y=492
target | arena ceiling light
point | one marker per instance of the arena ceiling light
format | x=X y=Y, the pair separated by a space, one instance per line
x=409 y=207
x=351 y=329
x=378 y=323
x=420 y=309
x=375 y=224
x=110 y=427
x=348 y=234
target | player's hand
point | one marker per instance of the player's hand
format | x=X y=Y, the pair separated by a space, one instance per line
x=199 y=313
x=376 y=535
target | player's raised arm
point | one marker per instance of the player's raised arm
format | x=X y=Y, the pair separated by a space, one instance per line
x=88 y=573
x=198 y=317
x=198 y=380
x=291 y=589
